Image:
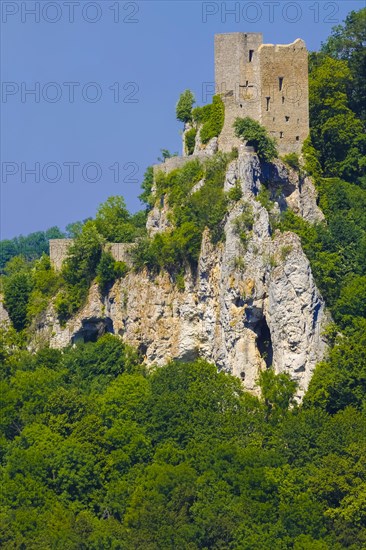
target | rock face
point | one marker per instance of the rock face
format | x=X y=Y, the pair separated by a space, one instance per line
x=4 y=317
x=251 y=302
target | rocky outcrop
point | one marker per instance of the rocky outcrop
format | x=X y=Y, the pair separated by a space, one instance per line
x=158 y=219
x=298 y=191
x=249 y=304
x=4 y=317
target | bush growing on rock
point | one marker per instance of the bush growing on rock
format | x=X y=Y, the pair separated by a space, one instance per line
x=184 y=106
x=257 y=136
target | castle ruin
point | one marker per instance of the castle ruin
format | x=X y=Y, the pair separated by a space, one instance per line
x=266 y=82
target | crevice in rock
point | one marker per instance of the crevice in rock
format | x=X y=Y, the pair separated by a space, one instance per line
x=142 y=349
x=264 y=341
x=239 y=301
x=253 y=315
x=188 y=355
x=316 y=314
x=92 y=329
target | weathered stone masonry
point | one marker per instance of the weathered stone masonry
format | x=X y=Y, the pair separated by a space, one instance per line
x=266 y=82
x=121 y=252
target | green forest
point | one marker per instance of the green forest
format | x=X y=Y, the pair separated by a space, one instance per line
x=99 y=452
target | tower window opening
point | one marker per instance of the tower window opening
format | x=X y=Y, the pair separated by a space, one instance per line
x=287 y=118
x=268 y=99
x=297 y=138
x=251 y=52
x=281 y=135
x=280 y=82
x=283 y=100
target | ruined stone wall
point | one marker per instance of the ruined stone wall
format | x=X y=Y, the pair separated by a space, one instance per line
x=232 y=66
x=202 y=152
x=285 y=96
x=121 y=252
x=237 y=77
x=265 y=82
x=58 y=251
x=170 y=164
x=227 y=139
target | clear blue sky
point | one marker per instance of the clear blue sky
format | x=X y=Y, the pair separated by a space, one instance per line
x=160 y=47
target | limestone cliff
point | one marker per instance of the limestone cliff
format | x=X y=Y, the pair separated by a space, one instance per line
x=4 y=317
x=248 y=305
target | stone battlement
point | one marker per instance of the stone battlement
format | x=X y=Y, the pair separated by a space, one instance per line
x=121 y=252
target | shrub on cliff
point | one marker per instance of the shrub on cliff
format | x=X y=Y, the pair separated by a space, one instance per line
x=114 y=222
x=108 y=270
x=211 y=117
x=79 y=270
x=147 y=185
x=17 y=287
x=190 y=140
x=311 y=159
x=292 y=159
x=257 y=136
x=191 y=212
x=184 y=106
x=169 y=250
x=28 y=288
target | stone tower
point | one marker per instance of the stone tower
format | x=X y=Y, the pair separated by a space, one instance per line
x=267 y=82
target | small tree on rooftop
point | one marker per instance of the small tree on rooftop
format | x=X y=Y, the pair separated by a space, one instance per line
x=184 y=106
x=255 y=134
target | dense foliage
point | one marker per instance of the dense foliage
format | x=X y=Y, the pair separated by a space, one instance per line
x=147 y=185
x=337 y=250
x=28 y=286
x=211 y=118
x=337 y=100
x=256 y=136
x=30 y=247
x=184 y=106
x=194 y=207
x=347 y=43
x=97 y=453
x=190 y=140
x=86 y=260
x=114 y=222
